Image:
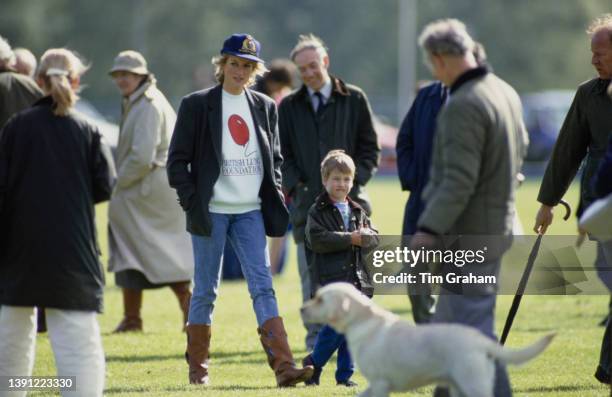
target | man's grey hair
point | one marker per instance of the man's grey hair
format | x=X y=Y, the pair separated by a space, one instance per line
x=25 y=61
x=603 y=22
x=446 y=37
x=308 y=42
x=7 y=57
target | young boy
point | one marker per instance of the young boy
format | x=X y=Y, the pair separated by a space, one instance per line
x=336 y=230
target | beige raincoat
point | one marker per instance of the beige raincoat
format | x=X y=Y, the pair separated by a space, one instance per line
x=146 y=224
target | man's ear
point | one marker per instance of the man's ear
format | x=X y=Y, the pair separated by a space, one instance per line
x=326 y=61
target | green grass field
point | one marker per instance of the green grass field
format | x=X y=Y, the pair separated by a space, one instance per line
x=152 y=363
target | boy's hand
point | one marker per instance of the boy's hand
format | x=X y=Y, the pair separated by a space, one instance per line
x=367 y=231
x=369 y=237
x=356 y=238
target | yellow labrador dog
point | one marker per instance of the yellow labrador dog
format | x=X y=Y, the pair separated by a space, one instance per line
x=396 y=356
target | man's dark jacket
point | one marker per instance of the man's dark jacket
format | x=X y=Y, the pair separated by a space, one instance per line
x=17 y=92
x=331 y=256
x=344 y=123
x=583 y=136
x=602 y=181
x=414 y=147
x=194 y=158
x=52 y=171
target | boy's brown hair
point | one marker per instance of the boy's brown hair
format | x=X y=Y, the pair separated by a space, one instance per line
x=337 y=160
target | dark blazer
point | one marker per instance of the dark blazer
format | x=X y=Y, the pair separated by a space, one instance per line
x=194 y=158
x=52 y=171
x=414 y=147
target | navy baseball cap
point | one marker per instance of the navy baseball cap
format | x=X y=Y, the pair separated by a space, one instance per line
x=243 y=46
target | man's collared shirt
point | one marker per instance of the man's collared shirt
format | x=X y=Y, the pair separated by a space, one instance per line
x=325 y=92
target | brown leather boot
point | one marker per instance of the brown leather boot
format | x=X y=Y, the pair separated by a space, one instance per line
x=274 y=341
x=181 y=290
x=198 y=344
x=132 y=301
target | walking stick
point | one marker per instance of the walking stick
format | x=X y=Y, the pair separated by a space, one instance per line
x=516 y=302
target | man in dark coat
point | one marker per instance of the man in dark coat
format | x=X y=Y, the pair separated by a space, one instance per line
x=602 y=186
x=583 y=136
x=17 y=91
x=414 y=144
x=324 y=114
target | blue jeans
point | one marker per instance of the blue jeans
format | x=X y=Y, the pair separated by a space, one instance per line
x=246 y=234
x=328 y=341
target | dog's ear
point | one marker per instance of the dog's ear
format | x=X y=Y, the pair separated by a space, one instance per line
x=340 y=310
x=346 y=305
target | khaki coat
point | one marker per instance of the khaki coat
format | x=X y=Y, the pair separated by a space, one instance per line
x=146 y=223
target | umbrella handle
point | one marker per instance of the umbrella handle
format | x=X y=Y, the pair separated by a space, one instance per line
x=568 y=209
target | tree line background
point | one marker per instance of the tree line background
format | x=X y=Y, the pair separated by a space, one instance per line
x=534 y=45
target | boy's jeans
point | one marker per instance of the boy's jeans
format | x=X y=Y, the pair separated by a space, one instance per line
x=247 y=235
x=328 y=341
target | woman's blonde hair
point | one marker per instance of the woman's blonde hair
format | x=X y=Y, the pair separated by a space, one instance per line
x=220 y=60
x=58 y=68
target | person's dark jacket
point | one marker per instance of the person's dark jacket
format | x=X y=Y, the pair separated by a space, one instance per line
x=17 y=92
x=344 y=123
x=414 y=147
x=330 y=255
x=52 y=171
x=194 y=158
x=602 y=181
x=583 y=136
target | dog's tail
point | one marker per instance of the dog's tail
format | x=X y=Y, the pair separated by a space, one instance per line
x=520 y=356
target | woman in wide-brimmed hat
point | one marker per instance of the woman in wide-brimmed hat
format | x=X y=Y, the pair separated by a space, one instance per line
x=148 y=244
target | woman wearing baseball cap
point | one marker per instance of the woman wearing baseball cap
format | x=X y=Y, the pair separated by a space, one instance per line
x=148 y=244
x=224 y=161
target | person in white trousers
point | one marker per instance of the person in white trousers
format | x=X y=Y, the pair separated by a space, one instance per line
x=53 y=169
x=76 y=343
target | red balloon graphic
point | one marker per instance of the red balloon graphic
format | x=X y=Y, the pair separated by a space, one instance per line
x=238 y=129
